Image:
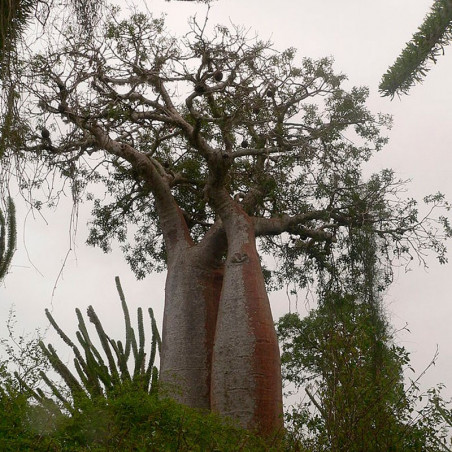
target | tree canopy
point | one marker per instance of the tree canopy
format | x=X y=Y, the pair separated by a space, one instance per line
x=293 y=139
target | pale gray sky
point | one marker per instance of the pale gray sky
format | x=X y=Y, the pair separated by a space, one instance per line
x=364 y=37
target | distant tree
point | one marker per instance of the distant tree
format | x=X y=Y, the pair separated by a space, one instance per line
x=356 y=399
x=213 y=151
x=426 y=45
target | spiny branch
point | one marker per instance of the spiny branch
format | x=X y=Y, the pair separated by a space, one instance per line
x=427 y=44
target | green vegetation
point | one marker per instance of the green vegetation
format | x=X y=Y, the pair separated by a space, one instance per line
x=131 y=421
x=356 y=399
x=103 y=406
x=344 y=359
x=258 y=148
x=352 y=374
x=184 y=141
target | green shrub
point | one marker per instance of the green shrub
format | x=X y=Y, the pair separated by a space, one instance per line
x=134 y=420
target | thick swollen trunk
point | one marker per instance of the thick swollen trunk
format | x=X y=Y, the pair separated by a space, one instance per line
x=192 y=294
x=246 y=368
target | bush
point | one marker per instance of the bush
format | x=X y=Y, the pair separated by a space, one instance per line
x=140 y=421
x=132 y=420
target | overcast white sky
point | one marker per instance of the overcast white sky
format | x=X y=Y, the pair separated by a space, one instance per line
x=364 y=37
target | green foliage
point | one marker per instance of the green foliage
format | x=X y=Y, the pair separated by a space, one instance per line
x=306 y=143
x=15 y=432
x=426 y=45
x=331 y=352
x=352 y=373
x=133 y=421
x=8 y=234
x=21 y=353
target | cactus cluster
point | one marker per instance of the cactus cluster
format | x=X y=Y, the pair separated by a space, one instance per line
x=100 y=374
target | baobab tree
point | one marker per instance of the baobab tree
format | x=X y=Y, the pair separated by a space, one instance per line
x=215 y=150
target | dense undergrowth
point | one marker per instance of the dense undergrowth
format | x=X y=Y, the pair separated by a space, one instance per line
x=132 y=421
x=111 y=399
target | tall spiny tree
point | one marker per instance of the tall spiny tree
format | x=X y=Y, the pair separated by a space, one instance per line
x=208 y=144
x=426 y=45
x=8 y=235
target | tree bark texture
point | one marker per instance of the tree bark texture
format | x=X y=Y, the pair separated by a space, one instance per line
x=219 y=346
x=246 y=369
x=192 y=294
x=246 y=375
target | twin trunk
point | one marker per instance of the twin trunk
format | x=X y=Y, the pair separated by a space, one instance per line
x=219 y=346
x=192 y=294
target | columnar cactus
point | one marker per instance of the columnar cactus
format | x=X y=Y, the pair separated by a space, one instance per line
x=8 y=235
x=94 y=377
